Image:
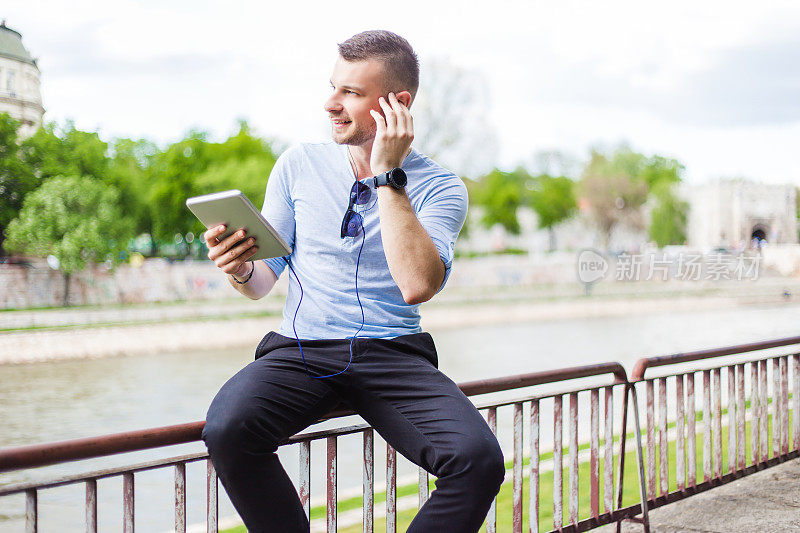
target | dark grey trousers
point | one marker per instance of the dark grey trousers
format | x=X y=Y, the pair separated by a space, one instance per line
x=394 y=384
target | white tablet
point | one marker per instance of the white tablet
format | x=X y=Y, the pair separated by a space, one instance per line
x=233 y=209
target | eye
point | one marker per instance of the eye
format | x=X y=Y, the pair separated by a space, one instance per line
x=343 y=91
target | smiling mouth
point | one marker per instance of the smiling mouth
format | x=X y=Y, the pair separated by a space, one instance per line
x=341 y=122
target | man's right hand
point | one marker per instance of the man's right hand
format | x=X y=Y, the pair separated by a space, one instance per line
x=231 y=253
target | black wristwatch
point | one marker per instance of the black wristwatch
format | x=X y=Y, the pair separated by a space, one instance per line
x=395 y=178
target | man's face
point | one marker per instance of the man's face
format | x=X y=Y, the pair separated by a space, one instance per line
x=357 y=85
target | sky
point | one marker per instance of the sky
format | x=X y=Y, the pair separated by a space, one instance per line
x=714 y=84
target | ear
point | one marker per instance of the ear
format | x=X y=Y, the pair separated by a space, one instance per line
x=404 y=97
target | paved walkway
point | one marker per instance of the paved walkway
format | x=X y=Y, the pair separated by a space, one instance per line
x=133 y=314
x=764 y=502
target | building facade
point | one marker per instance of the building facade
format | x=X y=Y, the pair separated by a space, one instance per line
x=735 y=214
x=20 y=86
x=739 y=213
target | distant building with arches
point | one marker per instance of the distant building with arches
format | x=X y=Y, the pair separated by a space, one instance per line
x=739 y=213
x=734 y=214
x=20 y=86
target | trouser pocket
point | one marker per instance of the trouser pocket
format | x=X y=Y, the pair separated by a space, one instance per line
x=419 y=344
x=263 y=346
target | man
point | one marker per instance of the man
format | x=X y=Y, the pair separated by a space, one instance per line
x=358 y=272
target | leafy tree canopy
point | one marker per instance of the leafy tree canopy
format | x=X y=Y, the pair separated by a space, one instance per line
x=616 y=186
x=66 y=151
x=625 y=162
x=16 y=179
x=195 y=166
x=553 y=199
x=501 y=194
x=669 y=217
x=77 y=220
x=129 y=173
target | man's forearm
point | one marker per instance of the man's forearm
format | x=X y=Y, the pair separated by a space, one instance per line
x=412 y=257
x=259 y=284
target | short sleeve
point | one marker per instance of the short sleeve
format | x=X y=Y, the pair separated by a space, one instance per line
x=442 y=215
x=278 y=208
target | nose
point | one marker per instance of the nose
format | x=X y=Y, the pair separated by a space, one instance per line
x=333 y=104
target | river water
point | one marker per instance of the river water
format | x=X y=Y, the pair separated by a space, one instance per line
x=61 y=400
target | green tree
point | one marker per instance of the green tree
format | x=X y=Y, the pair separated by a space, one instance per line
x=242 y=145
x=242 y=162
x=472 y=193
x=613 y=196
x=16 y=178
x=617 y=185
x=195 y=166
x=129 y=172
x=797 y=208
x=553 y=199
x=66 y=151
x=173 y=175
x=649 y=170
x=248 y=175
x=501 y=194
x=77 y=220
x=668 y=218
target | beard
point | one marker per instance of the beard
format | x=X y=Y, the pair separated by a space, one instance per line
x=355 y=135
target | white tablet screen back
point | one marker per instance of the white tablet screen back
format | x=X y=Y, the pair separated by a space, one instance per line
x=233 y=209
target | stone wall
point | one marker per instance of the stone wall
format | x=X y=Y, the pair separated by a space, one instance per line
x=155 y=280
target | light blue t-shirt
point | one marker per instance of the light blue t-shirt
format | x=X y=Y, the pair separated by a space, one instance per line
x=307 y=195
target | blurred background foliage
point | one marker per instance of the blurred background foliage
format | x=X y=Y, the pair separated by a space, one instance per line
x=131 y=192
x=76 y=221
x=149 y=184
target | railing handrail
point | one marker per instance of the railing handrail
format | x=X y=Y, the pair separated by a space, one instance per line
x=643 y=364
x=36 y=455
x=486 y=386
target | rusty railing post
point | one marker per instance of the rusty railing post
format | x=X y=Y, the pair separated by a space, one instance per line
x=639 y=456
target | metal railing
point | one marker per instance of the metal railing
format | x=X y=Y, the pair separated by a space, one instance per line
x=541 y=402
x=745 y=380
x=615 y=379
x=533 y=405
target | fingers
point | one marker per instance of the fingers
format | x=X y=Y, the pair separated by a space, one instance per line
x=404 y=120
x=234 y=266
x=233 y=259
x=210 y=236
x=395 y=132
x=389 y=112
x=224 y=251
x=378 y=121
x=218 y=249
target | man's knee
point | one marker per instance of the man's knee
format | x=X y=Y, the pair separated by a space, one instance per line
x=482 y=459
x=494 y=467
x=230 y=430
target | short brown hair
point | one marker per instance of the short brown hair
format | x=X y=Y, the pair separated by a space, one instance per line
x=400 y=62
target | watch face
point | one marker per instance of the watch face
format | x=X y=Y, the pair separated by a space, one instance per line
x=398 y=177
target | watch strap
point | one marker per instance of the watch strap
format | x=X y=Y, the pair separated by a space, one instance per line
x=381 y=179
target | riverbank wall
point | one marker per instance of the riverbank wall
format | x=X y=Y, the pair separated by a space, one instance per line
x=35 y=285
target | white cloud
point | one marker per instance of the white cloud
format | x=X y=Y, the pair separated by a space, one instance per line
x=564 y=74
